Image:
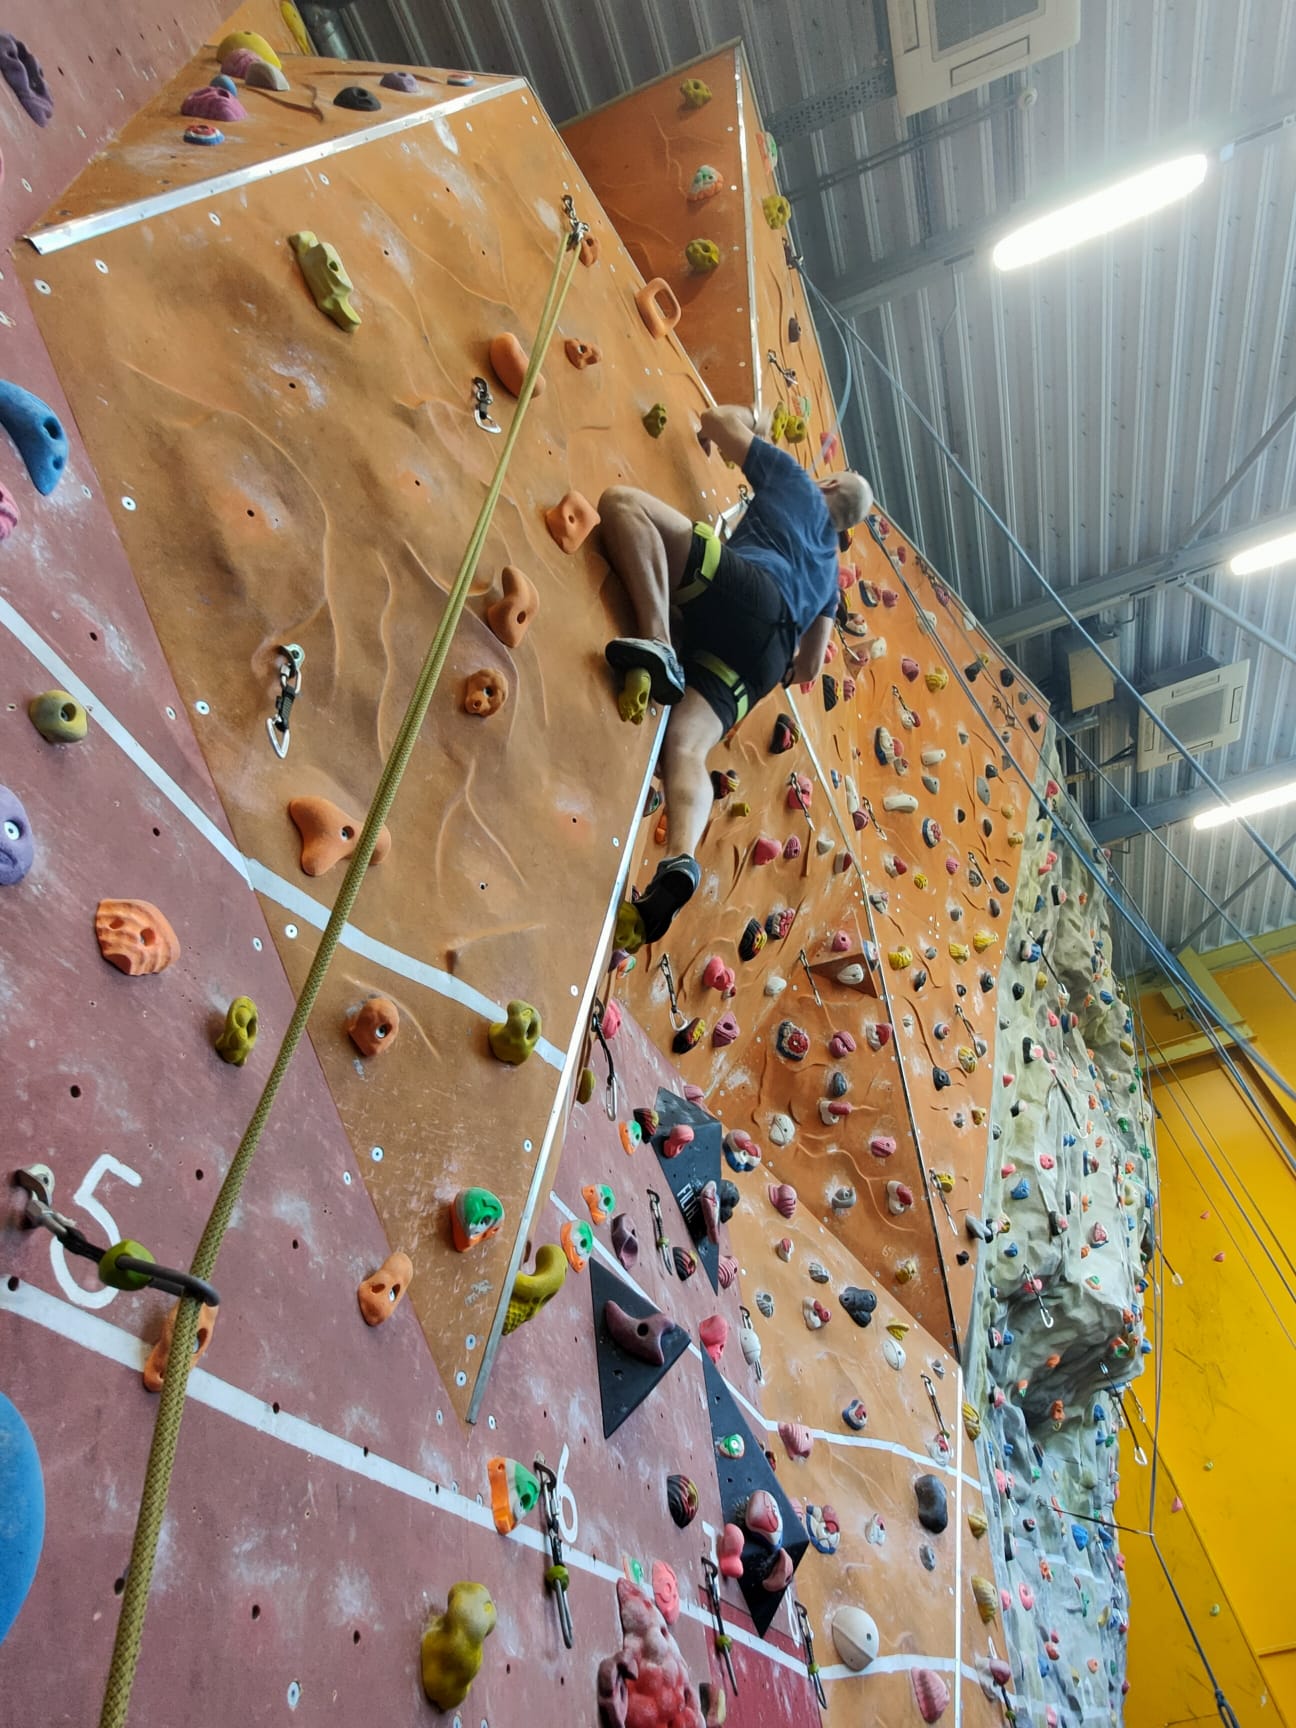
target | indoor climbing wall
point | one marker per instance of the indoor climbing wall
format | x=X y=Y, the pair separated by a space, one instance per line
x=687 y=175
x=332 y=478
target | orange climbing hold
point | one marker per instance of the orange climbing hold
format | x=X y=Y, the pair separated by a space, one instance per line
x=374 y=1025
x=329 y=835
x=582 y=354
x=510 y=618
x=156 y=1366
x=658 y=307
x=572 y=520
x=589 y=249
x=485 y=693
x=134 y=937
x=383 y=1291
x=509 y=361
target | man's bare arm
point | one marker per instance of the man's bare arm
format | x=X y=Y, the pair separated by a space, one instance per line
x=809 y=660
x=730 y=430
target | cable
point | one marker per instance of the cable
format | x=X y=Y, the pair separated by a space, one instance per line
x=166 y=1430
x=848 y=329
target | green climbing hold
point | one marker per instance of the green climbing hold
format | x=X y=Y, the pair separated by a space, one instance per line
x=58 y=717
x=124 y=1279
x=326 y=278
x=655 y=420
x=703 y=256
x=235 y=1044
x=512 y=1040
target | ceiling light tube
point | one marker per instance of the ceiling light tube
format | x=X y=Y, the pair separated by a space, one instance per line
x=1100 y=212
x=1255 y=805
x=1264 y=556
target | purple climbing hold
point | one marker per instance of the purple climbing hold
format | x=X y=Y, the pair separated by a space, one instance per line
x=16 y=847
x=405 y=81
x=638 y=1337
x=211 y=104
x=22 y=73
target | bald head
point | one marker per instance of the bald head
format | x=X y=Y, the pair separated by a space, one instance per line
x=849 y=498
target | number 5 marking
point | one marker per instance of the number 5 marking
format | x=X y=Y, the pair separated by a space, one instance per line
x=84 y=1199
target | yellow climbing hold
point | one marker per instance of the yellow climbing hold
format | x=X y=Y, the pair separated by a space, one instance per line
x=248 y=39
x=971 y=1422
x=512 y=1040
x=986 y=1597
x=778 y=211
x=778 y=422
x=696 y=93
x=897 y=1330
x=978 y=1523
x=920 y=879
x=937 y=679
x=1041 y=980
x=636 y=689
x=984 y=939
x=958 y=951
x=235 y=1044
x=531 y=1290
x=451 y=1648
x=703 y=256
x=1016 y=838
x=944 y=1180
x=325 y=277
x=794 y=429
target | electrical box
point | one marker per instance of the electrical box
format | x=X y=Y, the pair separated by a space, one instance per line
x=1092 y=683
x=942 y=48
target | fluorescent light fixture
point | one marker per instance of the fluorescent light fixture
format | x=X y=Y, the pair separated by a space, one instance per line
x=1255 y=805
x=1113 y=207
x=1264 y=556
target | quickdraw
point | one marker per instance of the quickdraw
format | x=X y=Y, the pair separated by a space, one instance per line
x=610 y=1090
x=661 y=1241
x=482 y=400
x=290 y=685
x=814 y=988
x=807 y=1638
x=556 y=1575
x=723 y=1641
x=678 y=1021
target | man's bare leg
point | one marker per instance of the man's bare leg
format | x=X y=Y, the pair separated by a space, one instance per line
x=692 y=733
x=647 y=544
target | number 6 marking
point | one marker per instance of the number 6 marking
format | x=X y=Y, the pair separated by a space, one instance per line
x=84 y=1199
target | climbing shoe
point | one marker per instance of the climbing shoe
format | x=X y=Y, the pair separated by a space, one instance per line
x=657 y=659
x=649 y=917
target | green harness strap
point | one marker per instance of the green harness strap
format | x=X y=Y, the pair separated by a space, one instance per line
x=166 y=1429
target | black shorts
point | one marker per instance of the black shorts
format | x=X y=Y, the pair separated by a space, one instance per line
x=737 y=638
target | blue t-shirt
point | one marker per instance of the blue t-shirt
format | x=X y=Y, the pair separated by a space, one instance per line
x=787 y=531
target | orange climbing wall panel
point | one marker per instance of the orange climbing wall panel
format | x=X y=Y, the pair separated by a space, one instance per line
x=330 y=482
x=641 y=153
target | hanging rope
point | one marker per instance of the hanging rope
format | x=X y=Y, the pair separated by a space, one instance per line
x=166 y=1430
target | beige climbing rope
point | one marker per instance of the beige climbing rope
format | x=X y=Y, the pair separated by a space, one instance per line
x=166 y=1429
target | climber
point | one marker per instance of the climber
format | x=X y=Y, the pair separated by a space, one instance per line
x=748 y=615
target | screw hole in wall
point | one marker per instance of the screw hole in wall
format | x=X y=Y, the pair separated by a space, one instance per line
x=13 y=1283
x=75 y=1091
x=256 y=1610
x=119 y=1584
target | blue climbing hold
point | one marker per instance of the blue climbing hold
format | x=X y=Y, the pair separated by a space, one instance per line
x=36 y=430
x=221 y=82
x=1080 y=1536
x=22 y=1513
x=1020 y=1189
x=1012 y=1251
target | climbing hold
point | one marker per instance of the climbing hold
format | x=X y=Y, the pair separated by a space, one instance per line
x=855 y=1637
x=931 y=1694
x=713 y=1333
x=326 y=277
x=357 y=97
x=475 y=1215
x=202 y=133
x=705 y=184
x=783 y=1198
x=900 y=803
x=509 y=361
x=682 y=1500
x=600 y=1199
x=17 y=848
x=814 y=1313
x=882 y=1145
x=791 y=1041
x=855 y=1415
x=531 y=1290
x=577 y=1242
x=571 y=521
x=451 y=1648
x=654 y=421
x=133 y=935
x=899 y=1197
x=329 y=835
x=729 y=1551
x=208 y=103
x=900 y=959
x=937 y=679
x=933 y=1508
x=485 y=693
x=658 y=307
x=858 y=1303
x=514 y=1491
x=776 y=210
x=374 y=1026
x=731 y=1446
x=725 y=1031
x=8 y=508
x=666 y=1594
x=762 y=1518
x=931 y=831
x=783 y=1248
x=252 y=41
x=986 y=1597
x=58 y=717
x=512 y=1040
x=383 y=1291
x=798 y=1441
x=235 y=1043
x=786 y=734
x=840 y=1044
x=511 y=617
x=22 y=73
x=154 y=1374
x=741 y=1151
x=238 y=61
x=893 y=1351
x=978 y=1523
x=638 y=1337
x=703 y=256
x=680 y=1136
x=38 y=434
x=727 y=1271
x=406 y=82
x=582 y=354
x=261 y=75
x=695 y=92
x=689 y=1037
x=765 y=850
x=221 y=82
x=906 y=1270
x=780 y=1573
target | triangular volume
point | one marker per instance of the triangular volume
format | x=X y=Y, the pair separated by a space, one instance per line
x=739 y=1479
x=688 y=1173
x=856 y=971
x=625 y=1380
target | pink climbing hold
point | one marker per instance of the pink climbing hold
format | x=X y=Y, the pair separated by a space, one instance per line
x=791 y=847
x=611 y=1021
x=882 y=1145
x=765 y=850
x=680 y=1136
x=212 y=104
x=899 y=1197
x=717 y=976
x=714 y=1333
x=782 y=1197
x=877 y=1034
x=693 y=1094
x=840 y=1044
x=911 y=669
x=724 y=1032
x=798 y=1441
x=800 y=791
x=1176 y=1505
x=931 y=1694
x=729 y=1551
x=840 y=942
x=239 y=62
x=1007 y=1079
x=1219 y=1257
x=727 y=1272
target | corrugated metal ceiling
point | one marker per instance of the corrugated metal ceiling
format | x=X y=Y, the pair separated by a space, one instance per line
x=1099 y=401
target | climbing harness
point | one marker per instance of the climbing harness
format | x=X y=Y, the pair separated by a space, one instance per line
x=723 y=1641
x=659 y=1232
x=290 y=684
x=482 y=400
x=166 y=1430
x=556 y=1575
x=807 y=1638
x=120 y=1271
